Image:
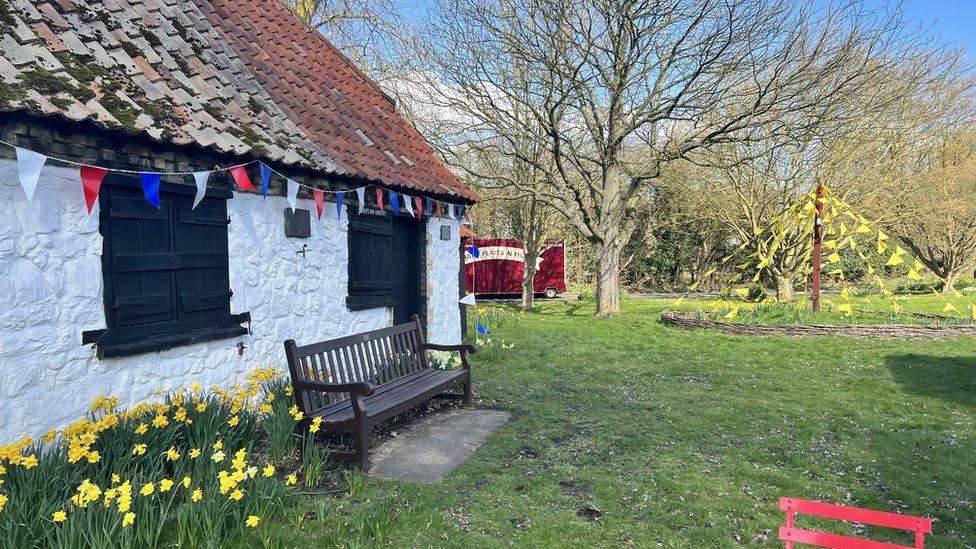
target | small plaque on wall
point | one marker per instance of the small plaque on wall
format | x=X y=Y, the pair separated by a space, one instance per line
x=298 y=224
x=445 y=232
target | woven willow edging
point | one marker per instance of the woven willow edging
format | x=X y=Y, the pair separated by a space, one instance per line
x=864 y=331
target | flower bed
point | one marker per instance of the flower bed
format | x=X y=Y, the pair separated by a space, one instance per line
x=199 y=468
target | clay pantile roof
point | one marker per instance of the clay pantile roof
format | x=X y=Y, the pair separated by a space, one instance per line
x=171 y=69
x=342 y=110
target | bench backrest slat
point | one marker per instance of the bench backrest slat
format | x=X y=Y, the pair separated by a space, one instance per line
x=856 y=514
x=378 y=356
x=793 y=506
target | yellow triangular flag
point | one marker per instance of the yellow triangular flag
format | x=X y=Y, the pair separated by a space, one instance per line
x=863 y=229
x=950 y=308
x=845 y=293
x=733 y=313
x=882 y=236
x=830 y=244
x=846 y=309
x=694 y=286
x=913 y=275
x=834 y=257
x=895 y=259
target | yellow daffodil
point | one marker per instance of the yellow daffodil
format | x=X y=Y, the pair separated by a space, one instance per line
x=128 y=518
x=252 y=521
x=172 y=454
x=197 y=495
x=219 y=445
x=194 y=453
x=147 y=489
x=186 y=481
x=160 y=421
x=59 y=516
x=292 y=479
x=236 y=495
x=233 y=421
x=201 y=407
x=116 y=478
x=94 y=457
x=289 y=391
x=196 y=387
x=3 y=501
x=50 y=436
x=141 y=429
x=217 y=457
x=165 y=485
x=139 y=449
x=268 y=471
x=29 y=462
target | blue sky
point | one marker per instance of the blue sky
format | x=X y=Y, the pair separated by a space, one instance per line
x=951 y=21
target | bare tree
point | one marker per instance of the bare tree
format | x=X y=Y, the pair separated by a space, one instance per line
x=372 y=33
x=623 y=88
x=937 y=221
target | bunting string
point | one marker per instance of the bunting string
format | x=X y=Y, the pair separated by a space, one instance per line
x=30 y=164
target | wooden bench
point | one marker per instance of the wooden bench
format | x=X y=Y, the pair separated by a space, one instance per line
x=791 y=534
x=358 y=381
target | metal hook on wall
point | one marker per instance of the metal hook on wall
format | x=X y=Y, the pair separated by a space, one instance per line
x=303 y=251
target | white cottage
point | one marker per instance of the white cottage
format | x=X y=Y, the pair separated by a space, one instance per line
x=155 y=289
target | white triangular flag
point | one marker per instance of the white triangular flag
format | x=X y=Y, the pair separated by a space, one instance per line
x=408 y=203
x=29 y=164
x=467 y=300
x=201 y=178
x=292 y=194
x=467 y=218
x=361 y=194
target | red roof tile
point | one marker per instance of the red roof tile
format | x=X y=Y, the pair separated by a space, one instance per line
x=323 y=93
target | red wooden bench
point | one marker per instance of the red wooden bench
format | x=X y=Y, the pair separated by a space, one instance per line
x=790 y=534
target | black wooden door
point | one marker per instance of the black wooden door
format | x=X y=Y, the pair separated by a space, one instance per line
x=406 y=268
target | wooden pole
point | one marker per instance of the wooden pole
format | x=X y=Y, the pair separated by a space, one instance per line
x=817 y=248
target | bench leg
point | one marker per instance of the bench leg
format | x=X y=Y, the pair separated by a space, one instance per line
x=362 y=446
x=467 y=392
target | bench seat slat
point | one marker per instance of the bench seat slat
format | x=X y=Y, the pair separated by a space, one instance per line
x=388 y=396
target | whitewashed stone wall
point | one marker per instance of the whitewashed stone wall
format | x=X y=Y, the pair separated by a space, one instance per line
x=51 y=290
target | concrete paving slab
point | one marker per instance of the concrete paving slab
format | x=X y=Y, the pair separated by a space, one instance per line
x=431 y=448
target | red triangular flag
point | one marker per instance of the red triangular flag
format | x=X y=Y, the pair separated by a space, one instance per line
x=91 y=182
x=241 y=178
x=379 y=197
x=420 y=207
x=319 y=195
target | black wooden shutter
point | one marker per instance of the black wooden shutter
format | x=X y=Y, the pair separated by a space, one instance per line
x=142 y=267
x=370 y=262
x=201 y=258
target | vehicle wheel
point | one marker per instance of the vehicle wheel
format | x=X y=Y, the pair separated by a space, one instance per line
x=551 y=293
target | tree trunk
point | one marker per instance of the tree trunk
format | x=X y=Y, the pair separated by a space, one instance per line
x=528 y=278
x=607 y=279
x=950 y=282
x=784 y=289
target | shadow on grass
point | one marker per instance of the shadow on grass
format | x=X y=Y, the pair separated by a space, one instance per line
x=951 y=379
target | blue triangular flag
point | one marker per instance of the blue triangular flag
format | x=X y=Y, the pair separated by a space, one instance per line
x=265 y=179
x=429 y=208
x=395 y=202
x=482 y=330
x=340 y=196
x=460 y=212
x=474 y=251
x=150 y=187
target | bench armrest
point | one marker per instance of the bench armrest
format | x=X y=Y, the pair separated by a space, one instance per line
x=364 y=388
x=465 y=350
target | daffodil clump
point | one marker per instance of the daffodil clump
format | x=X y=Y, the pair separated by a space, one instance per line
x=181 y=471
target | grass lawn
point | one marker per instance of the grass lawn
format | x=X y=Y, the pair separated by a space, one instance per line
x=680 y=439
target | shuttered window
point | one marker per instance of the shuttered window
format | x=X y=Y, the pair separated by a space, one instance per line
x=370 y=262
x=165 y=270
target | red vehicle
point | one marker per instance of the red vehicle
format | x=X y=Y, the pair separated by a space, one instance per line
x=497 y=265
